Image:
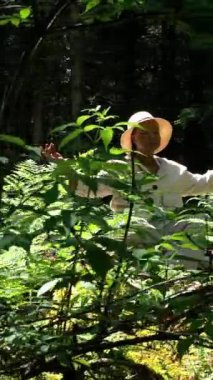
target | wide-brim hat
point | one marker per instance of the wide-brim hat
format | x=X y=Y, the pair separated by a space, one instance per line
x=165 y=130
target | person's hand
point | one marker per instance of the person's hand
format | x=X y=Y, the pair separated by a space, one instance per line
x=50 y=153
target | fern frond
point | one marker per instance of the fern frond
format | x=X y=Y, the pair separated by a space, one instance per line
x=26 y=182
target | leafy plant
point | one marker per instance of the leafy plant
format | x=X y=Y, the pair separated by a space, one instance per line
x=79 y=282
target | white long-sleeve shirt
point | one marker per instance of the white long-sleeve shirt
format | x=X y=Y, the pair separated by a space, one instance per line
x=173 y=182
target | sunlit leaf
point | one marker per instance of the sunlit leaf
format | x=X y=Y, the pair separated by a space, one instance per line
x=107 y=135
x=92 y=4
x=24 y=13
x=116 y=151
x=81 y=119
x=48 y=286
x=91 y=127
x=15 y=21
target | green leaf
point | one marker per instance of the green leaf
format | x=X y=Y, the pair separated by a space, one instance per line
x=51 y=195
x=7 y=240
x=91 y=4
x=69 y=218
x=44 y=348
x=209 y=329
x=178 y=236
x=13 y=140
x=116 y=151
x=183 y=346
x=82 y=362
x=24 y=13
x=90 y=127
x=139 y=253
x=99 y=260
x=107 y=135
x=167 y=246
x=64 y=169
x=81 y=119
x=48 y=286
x=4 y=21
x=70 y=137
x=15 y=21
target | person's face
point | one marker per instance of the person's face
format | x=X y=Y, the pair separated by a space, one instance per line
x=147 y=138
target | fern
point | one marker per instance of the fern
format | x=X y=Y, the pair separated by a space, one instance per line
x=25 y=183
x=23 y=201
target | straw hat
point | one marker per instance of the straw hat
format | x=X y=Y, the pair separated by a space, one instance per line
x=165 y=130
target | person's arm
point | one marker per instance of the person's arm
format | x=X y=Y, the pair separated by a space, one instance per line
x=176 y=178
x=197 y=184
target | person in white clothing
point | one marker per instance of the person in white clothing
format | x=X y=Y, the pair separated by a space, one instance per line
x=146 y=136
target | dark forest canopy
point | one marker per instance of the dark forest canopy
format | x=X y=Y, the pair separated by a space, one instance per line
x=62 y=56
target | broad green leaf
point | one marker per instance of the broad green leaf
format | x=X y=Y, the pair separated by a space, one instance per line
x=4 y=21
x=51 y=195
x=65 y=170
x=81 y=119
x=99 y=260
x=96 y=165
x=106 y=136
x=139 y=253
x=15 y=21
x=118 y=166
x=90 y=127
x=209 y=329
x=122 y=123
x=70 y=137
x=13 y=140
x=178 y=236
x=167 y=246
x=91 y=4
x=69 y=218
x=7 y=240
x=48 y=286
x=44 y=348
x=84 y=164
x=183 y=346
x=190 y=245
x=24 y=13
